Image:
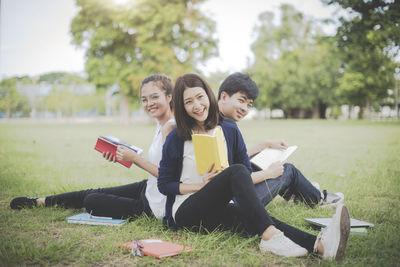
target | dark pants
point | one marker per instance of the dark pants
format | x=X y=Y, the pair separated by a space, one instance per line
x=290 y=184
x=126 y=201
x=210 y=208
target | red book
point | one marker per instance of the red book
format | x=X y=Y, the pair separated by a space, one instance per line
x=110 y=143
x=158 y=248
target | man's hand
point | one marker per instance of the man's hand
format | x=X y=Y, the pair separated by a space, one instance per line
x=275 y=170
x=277 y=144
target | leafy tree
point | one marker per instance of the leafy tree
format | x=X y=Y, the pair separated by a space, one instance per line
x=215 y=79
x=95 y=103
x=62 y=101
x=368 y=39
x=62 y=78
x=124 y=44
x=11 y=101
x=67 y=96
x=295 y=67
x=65 y=102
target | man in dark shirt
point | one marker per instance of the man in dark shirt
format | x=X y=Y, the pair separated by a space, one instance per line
x=235 y=97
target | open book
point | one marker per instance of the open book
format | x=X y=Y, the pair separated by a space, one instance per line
x=110 y=143
x=158 y=248
x=86 y=218
x=210 y=149
x=269 y=155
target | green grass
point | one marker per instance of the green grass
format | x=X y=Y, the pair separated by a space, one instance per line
x=360 y=159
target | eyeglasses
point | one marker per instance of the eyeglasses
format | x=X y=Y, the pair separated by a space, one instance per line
x=137 y=247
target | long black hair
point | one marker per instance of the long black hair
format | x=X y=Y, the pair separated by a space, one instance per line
x=185 y=123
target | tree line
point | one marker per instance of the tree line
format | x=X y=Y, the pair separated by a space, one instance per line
x=60 y=94
x=303 y=71
x=299 y=68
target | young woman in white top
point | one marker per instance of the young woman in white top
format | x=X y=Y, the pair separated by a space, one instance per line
x=131 y=200
x=204 y=201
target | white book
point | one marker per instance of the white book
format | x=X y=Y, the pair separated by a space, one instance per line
x=117 y=142
x=269 y=155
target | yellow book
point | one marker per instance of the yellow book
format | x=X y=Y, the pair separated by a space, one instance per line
x=210 y=149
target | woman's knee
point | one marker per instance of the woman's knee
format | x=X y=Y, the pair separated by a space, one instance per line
x=239 y=171
x=239 y=168
x=91 y=201
x=288 y=167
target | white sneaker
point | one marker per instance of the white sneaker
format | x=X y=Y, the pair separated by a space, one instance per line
x=280 y=245
x=331 y=199
x=334 y=236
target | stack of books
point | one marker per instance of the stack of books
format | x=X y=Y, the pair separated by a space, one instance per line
x=86 y=218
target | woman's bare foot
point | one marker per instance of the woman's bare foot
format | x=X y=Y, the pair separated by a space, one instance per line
x=40 y=201
x=268 y=233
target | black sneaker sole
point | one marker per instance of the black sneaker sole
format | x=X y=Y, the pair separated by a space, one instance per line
x=19 y=203
x=344 y=233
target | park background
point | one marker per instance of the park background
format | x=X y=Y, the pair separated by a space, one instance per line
x=328 y=75
x=310 y=59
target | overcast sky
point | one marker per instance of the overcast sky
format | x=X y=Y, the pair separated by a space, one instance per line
x=35 y=38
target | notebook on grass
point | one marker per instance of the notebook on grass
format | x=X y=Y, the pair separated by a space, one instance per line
x=158 y=248
x=358 y=227
x=323 y=222
x=86 y=218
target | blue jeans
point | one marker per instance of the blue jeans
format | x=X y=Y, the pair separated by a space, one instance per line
x=290 y=184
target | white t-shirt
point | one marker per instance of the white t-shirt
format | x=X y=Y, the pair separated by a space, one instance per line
x=189 y=172
x=155 y=198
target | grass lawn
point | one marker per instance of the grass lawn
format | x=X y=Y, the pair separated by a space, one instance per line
x=360 y=159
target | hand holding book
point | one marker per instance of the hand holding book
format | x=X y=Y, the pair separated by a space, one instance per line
x=117 y=151
x=109 y=156
x=209 y=151
x=122 y=154
x=276 y=144
x=125 y=154
x=275 y=169
x=210 y=173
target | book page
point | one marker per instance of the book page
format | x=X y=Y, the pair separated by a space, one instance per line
x=117 y=141
x=266 y=157
x=286 y=153
x=269 y=155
